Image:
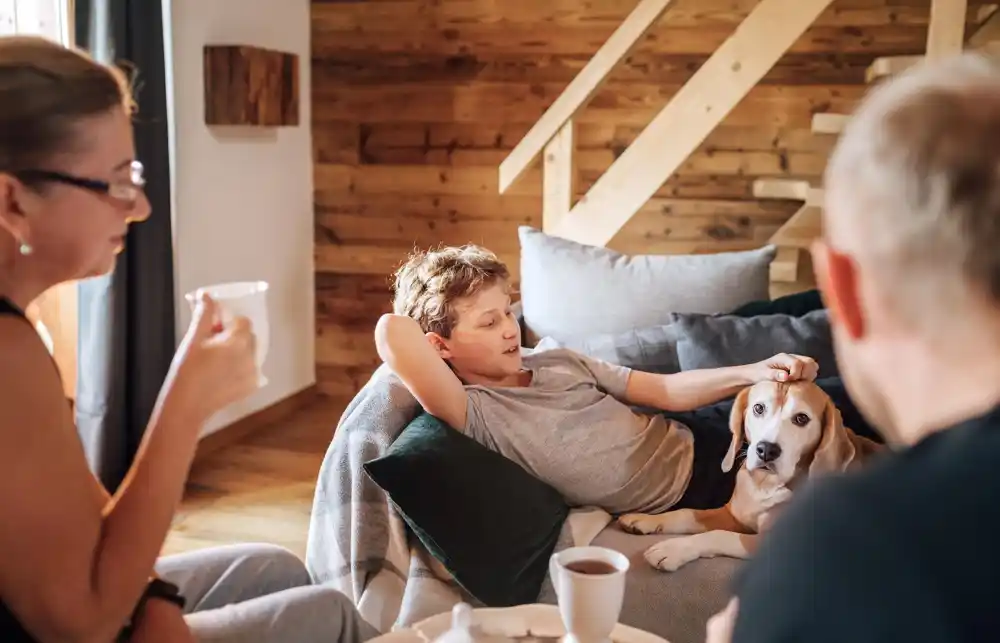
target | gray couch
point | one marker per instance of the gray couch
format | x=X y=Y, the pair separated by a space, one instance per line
x=676 y=605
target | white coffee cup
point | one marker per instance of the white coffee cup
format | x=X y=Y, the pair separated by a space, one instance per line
x=590 y=588
x=242 y=299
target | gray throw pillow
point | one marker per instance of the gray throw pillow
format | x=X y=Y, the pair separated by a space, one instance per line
x=711 y=341
x=652 y=349
x=572 y=291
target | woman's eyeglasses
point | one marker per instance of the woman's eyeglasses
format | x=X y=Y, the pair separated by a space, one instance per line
x=127 y=193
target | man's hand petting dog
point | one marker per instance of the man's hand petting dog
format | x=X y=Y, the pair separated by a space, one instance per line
x=783 y=367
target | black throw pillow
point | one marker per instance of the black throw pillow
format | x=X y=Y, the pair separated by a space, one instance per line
x=489 y=522
x=796 y=304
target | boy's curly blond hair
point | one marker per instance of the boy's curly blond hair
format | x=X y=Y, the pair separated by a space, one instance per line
x=430 y=281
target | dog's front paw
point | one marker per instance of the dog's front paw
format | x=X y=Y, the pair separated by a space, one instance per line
x=641 y=523
x=672 y=554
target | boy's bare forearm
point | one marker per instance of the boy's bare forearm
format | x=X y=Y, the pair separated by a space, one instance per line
x=399 y=341
x=401 y=344
x=687 y=390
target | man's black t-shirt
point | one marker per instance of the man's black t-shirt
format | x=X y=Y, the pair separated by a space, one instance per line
x=907 y=549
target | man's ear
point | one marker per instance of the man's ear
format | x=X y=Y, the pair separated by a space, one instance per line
x=837 y=279
x=439 y=344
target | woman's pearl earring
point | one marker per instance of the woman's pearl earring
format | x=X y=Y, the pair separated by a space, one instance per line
x=25 y=248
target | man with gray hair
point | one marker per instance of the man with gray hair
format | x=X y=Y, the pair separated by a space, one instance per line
x=909 y=267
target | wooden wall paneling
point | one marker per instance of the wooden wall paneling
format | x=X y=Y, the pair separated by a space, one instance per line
x=607 y=13
x=556 y=121
x=490 y=39
x=618 y=103
x=415 y=103
x=346 y=305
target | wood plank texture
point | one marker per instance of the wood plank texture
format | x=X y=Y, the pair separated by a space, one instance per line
x=260 y=488
x=416 y=103
x=581 y=89
x=247 y=85
x=559 y=176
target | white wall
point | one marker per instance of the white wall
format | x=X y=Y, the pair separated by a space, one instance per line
x=243 y=197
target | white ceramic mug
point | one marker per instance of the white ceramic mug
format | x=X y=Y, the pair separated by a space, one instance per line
x=589 y=603
x=242 y=299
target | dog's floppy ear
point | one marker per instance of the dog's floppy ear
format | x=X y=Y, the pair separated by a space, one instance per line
x=835 y=450
x=736 y=426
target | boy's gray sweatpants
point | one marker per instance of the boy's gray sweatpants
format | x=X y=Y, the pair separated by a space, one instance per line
x=260 y=594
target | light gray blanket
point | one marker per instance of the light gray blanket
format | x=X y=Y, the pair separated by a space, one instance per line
x=358 y=543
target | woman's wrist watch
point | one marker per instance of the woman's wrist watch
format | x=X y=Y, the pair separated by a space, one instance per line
x=158 y=589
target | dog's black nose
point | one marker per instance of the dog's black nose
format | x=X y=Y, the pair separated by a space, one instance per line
x=768 y=451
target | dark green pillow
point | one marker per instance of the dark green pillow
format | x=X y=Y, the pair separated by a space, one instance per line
x=488 y=521
x=796 y=305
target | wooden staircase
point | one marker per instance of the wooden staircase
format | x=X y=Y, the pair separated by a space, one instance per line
x=764 y=36
x=766 y=33
x=946 y=36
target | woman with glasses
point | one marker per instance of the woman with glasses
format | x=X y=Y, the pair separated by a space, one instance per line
x=76 y=564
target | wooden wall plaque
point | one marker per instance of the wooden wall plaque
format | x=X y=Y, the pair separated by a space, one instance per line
x=246 y=85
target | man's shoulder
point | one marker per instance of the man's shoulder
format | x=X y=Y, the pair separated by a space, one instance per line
x=831 y=521
x=848 y=541
x=955 y=463
x=895 y=489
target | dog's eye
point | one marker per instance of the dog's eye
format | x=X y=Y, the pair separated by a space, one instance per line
x=800 y=419
x=758 y=409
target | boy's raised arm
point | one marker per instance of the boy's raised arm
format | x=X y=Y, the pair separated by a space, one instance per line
x=401 y=344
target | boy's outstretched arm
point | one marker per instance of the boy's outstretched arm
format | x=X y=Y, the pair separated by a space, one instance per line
x=689 y=390
x=401 y=344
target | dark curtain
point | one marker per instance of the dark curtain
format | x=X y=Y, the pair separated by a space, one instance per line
x=126 y=332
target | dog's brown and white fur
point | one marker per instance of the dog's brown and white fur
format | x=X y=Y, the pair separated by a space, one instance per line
x=796 y=420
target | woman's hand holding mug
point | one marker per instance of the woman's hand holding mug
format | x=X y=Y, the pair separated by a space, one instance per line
x=214 y=366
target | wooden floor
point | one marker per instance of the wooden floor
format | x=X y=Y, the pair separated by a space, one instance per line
x=259 y=489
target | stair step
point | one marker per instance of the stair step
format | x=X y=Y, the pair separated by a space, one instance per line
x=781 y=189
x=801 y=229
x=892 y=65
x=791 y=189
x=829 y=123
x=785 y=267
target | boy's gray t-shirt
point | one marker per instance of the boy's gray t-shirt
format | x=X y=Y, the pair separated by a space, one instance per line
x=570 y=429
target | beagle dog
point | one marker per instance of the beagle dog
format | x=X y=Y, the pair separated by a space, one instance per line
x=794 y=430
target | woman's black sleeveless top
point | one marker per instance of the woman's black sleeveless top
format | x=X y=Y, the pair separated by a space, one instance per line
x=10 y=629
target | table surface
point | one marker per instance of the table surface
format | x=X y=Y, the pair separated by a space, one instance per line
x=536 y=623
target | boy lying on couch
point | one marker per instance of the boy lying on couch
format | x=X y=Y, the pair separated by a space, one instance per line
x=564 y=417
